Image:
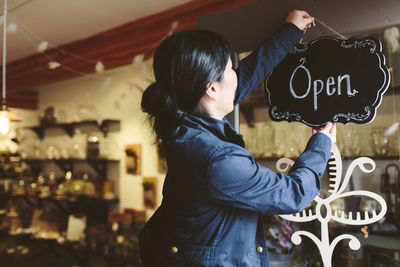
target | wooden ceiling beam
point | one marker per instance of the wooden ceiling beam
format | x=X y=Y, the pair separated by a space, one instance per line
x=115 y=47
x=23 y=99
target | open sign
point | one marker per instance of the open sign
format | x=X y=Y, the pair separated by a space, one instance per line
x=329 y=80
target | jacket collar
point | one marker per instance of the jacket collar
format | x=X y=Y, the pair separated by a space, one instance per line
x=220 y=128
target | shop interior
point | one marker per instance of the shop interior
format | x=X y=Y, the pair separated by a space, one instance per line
x=80 y=173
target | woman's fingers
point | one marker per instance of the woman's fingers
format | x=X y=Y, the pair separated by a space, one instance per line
x=329 y=130
x=300 y=18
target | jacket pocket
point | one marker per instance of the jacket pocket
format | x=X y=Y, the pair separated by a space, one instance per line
x=191 y=255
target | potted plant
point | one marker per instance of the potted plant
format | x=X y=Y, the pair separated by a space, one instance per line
x=282 y=252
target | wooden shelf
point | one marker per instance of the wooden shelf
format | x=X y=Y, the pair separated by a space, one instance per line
x=35 y=200
x=384 y=157
x=98 y=164
x=374 y=157
x=69 y=198
x=69 y=128
x=97 y=160
x=273 y=158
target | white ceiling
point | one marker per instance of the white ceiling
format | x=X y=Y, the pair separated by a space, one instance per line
x=62 y=21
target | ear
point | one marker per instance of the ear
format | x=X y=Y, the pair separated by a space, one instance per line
x=212 y=90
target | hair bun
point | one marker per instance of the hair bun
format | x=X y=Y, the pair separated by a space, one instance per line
x=153 y=99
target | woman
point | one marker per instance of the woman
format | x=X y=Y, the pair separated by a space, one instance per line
x=214 y=192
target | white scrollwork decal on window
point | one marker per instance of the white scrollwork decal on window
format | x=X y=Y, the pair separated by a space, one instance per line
x=336 y=191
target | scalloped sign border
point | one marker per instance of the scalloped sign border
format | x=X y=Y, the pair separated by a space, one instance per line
x=329 y=80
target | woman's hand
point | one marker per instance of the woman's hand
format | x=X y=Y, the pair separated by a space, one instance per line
x=329 y=130
x=300 y=18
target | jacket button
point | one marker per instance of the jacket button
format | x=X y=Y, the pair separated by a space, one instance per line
x=174 y=250
x=259 y=249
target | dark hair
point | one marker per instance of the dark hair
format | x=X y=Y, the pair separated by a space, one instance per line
x=184 y=64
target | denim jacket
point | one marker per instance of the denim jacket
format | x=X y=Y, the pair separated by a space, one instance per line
x=215 y=192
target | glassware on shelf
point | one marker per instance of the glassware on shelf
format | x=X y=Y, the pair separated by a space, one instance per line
x=61 y=116
x=5 y=185
x=87 y=112
x=44 y=191
x=66 y=187
x=43 y=188
x=65 y=147
x=349 y=140
x=339 y=206
x=32 y=189
x=355 y=145
x=77 y=186
x=39 y=150
x=109 y=149
x=280 y=144
x=78 y=147
x=268 y=137
x=394 y=140
x=252 y=140
x=25 y=152
x=89 y=188
x=108 y=190
x=380 y=142
x=27 y=140
x=64 y=153
x=52 y=182
x=304 y=134
x=12 y=220
x=259 y=142
x=93 y=146
x=19 y=187
x=53 y=152
x=297 y=139
x=291 y=146
x=61 y=191
x=369 y=205
x=340 y=139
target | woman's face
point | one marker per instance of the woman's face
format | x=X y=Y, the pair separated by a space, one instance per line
x=227 y=85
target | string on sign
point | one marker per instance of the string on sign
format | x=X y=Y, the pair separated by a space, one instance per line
x=332 y=30
x=324 y=25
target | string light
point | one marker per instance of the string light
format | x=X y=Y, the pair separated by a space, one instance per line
x=99 y=66
x=89 y=60
x=53 y=65
x=42 y=46
x=12 y=28
x=136 y=60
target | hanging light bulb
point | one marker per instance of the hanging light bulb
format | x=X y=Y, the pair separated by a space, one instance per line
x=5 y=115
x=4 y=125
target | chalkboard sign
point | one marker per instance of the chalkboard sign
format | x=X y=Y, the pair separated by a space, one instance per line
x=329 y=80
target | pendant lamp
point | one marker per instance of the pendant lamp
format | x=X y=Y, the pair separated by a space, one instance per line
x=5 y=114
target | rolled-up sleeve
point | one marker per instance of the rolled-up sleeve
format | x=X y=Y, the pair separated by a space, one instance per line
x=256 y=67
x=235 y=179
